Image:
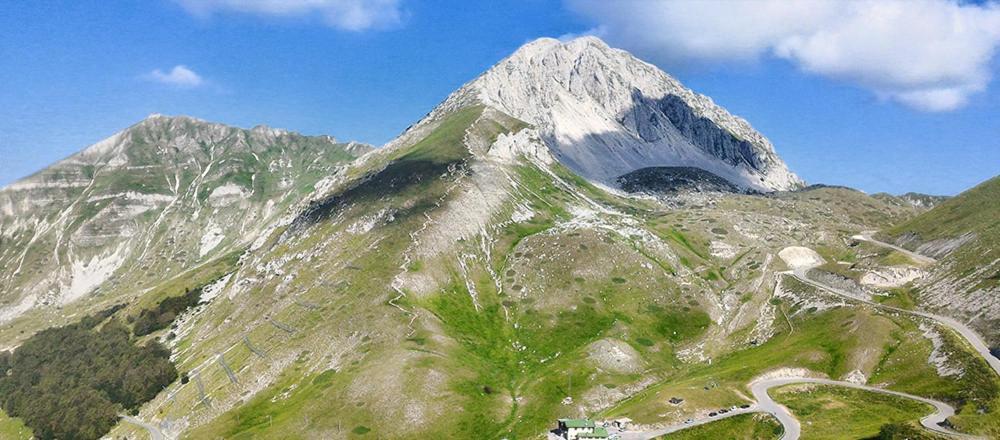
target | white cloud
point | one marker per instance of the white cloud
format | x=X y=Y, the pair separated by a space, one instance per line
x=179 y=76
x=927 y=54
x=351 y=15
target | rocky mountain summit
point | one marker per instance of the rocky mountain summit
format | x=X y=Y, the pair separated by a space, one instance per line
x=605 y=113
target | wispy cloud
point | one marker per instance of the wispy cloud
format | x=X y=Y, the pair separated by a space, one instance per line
x=927 y=54
x=179 y=76
x=351 y=15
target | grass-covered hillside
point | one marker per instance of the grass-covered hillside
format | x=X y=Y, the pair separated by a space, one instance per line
x=963 y=233
x=973 y=213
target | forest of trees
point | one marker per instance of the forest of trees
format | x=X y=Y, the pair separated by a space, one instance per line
x=72 y=382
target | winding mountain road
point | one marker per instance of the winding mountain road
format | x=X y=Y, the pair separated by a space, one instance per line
x=791 y=424
x=967 y=333
x=867 y=236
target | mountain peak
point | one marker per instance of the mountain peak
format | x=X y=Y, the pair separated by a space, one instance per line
x=605 y=113
x=155 y=118
x=544 y=45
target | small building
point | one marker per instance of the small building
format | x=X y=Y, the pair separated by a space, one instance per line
x=573 y=429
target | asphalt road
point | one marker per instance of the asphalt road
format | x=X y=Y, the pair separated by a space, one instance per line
x=154 y=431
x=791 y=424
x=967 y=333
x=866 y=236
x=646 y=435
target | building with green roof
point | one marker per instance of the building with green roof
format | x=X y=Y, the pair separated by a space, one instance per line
x=574 y=429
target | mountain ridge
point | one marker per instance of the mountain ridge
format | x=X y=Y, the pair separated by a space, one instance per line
x=178 y=190
x=92 y=154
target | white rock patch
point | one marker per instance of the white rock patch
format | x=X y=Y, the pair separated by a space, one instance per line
x=212 y=237
x=368 y=222
x=87 y=276
x=938 y=358
x=798 y=257
x=508 y=147
x=11 y=312
x=889 y=277
x=522 y=214
x=781 y=373
x=226 y=194
x=615 y=355
x=209 y=292
x=856 y=376
x=722 y=250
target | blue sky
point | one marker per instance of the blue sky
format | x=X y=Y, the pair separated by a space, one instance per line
x=75 y=72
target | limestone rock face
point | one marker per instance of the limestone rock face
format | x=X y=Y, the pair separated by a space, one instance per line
x=605 y=113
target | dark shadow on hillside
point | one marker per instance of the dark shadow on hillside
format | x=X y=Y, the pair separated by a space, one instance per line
x=699 y=130
x=395 y=178
x=672 y=180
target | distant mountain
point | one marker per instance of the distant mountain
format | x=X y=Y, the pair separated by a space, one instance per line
x=604 y=113
x=917 y=200
x=817 y=186
x=151 y=201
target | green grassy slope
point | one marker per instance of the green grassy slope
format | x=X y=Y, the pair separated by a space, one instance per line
x=13 y=428
x=741 y=427
x=975 y=211
x=964 y=234
x=812 y=345
x=829 y=412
